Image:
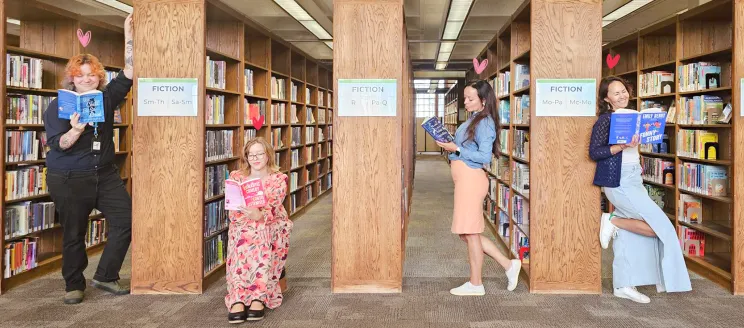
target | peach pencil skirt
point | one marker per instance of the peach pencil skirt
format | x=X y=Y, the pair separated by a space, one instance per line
x=471 y=188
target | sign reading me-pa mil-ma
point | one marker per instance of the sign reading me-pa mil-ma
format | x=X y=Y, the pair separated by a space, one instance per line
x=367 y=97
x=167 y=96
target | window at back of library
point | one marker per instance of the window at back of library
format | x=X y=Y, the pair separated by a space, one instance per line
x=425 y=104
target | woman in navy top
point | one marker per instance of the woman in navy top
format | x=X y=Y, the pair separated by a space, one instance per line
x=646 y=249
x=476 y=140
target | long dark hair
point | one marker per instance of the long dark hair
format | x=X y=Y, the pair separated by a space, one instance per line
x=604 y=87
x=488 y=98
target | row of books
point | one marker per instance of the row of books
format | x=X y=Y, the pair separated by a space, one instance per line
x=521 y=245
x=24 y=218
x=23 y=146
x=521 y=212
x=657 y=170
x=702 y=144
x=215 y=252
x=253 y=108
x=655 y=83
x=710 y=180
x=215 y=73
x=521 y=144
x=501 y=84
x=521 y=178
x=26 y=109
x=219 y=145
x=214 y=110
x=23 y=255
x=23 y=72
x=504 y=111
x=276 y=138
x=214 y=180
x=522 y=109
x=248 y=76
x=278 y=88
x=521 y=76
x=700 y=76
x=278 y=113
x=25 y=181
x=215 y=217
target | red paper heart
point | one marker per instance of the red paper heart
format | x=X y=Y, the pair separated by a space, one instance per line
x=257 y=122
x=611 y=62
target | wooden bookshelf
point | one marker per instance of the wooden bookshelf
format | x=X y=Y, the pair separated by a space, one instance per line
x=367 y=222
x=252 y=70
x=551 y=228
x=60 y=43
x=703 y=34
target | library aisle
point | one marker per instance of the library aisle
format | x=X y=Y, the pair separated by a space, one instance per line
x=435 y=262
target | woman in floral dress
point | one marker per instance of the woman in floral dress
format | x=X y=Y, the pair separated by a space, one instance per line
x=258 y=239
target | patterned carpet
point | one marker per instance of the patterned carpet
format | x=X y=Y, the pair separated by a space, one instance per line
x=436 y=262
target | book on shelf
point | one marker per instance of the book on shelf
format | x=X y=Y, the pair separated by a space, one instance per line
x=88 y=104
x=648 y=123
x=436 y=130
x=248 y=193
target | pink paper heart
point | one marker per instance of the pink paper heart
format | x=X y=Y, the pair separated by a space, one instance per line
x=611 y=62
x=84 y=39
x=257 y=122
x=479 y=67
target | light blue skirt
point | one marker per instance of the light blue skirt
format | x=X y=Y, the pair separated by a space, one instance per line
x=641 y=260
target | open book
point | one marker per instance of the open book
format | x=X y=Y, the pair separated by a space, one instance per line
x=649 y=124
x=248 y=193
x=88 y=104
x=436 y=130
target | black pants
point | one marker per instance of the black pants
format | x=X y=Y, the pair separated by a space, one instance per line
x=75 y=195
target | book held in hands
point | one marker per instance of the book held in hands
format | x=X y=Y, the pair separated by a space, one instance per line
x=436 y=130
x=249 y=193
x=88 y=104
x=649 y=124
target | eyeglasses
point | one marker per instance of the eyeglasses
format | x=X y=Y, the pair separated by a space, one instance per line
x=256 y=156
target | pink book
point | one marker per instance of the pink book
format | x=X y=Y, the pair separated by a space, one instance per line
x=249 y=193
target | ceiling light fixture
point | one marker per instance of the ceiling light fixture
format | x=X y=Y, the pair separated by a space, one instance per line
x=456 y=16
x=13 y=21
x=297 y=12
x=624 y=10
x=118 y=5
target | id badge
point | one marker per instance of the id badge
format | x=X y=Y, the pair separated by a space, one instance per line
x=96 y=146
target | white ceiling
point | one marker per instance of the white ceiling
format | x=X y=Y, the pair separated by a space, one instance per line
x=425 y=21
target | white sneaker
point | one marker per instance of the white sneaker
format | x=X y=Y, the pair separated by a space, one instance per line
x=512 y=275
x=607 y=230
x=468 y=289
x=632 y=294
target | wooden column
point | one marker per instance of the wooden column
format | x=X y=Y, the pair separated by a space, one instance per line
x=737 y=180
x=565 y=252
x=168 y=168
x=367 y=183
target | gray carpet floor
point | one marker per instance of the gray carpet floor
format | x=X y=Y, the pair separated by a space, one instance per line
x=436 y=261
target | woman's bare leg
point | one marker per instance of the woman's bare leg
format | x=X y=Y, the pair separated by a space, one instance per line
x=475 y=255
x=492 y=250
x=635 y=226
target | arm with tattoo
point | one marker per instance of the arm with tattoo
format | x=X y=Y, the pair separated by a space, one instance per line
x=68 y=139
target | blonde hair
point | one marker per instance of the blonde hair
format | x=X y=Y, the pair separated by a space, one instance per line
x=73 y=69
x=268 y=149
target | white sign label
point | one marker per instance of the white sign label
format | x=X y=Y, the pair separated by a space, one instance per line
x=566 y=97
x=367 y=97
x=167 y=97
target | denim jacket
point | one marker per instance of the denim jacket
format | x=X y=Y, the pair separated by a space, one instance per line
x=475 y=153
x=607 y=173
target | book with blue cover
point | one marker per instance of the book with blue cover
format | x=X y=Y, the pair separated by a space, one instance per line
x=649 y=124
x=436 y=130
x=88 y=104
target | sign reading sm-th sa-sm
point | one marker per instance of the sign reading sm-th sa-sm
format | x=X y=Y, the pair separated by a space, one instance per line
x=167 y=96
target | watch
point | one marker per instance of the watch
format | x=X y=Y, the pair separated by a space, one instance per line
x=457 y=151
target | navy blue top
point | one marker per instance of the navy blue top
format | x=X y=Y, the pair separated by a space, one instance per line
x=475 y=153
x=607 y=173
x=79 y=156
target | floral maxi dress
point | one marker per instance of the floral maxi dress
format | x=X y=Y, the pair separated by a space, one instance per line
x=257 y=249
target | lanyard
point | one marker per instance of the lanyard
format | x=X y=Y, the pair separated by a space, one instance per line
x=95 y=130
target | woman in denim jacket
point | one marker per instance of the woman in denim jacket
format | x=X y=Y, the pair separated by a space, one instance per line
x=646 y=247
x=475 y=141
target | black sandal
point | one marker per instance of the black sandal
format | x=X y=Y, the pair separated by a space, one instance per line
x=237 y=317
x=255 y=315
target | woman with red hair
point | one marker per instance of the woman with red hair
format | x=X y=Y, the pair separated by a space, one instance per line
x=81 y=174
